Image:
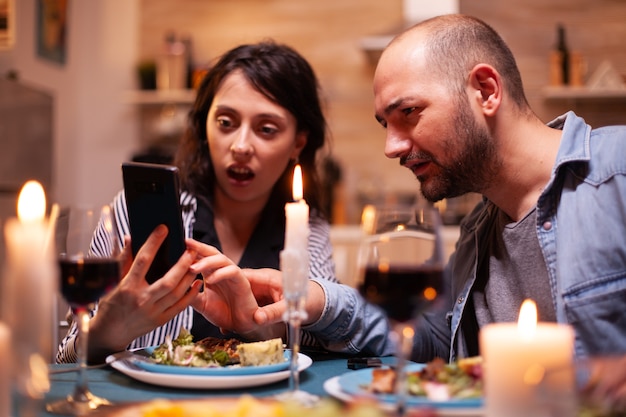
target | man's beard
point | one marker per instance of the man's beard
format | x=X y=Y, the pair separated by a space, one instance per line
x=473 y=163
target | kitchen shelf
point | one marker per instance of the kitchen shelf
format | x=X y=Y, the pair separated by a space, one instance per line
x=145 y=97
x=584 y=93
x=373 y=45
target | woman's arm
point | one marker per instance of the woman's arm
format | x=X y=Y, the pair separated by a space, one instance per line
x=339 y=319
x=134 y=307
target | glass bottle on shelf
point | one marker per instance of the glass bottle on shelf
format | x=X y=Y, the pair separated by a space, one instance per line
x=560 y=60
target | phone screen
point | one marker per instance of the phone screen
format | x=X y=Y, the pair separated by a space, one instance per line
x=153 y=198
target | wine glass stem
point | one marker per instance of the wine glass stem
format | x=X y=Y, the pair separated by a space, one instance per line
x=294 y=315
x=81 y=390
x=405 y=345
x=294 y=340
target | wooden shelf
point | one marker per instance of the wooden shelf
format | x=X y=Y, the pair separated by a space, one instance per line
x=583 y=93
x=373 y=45
x=160 y=97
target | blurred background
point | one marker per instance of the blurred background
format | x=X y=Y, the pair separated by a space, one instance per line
x=85 y=108
x=88 y=84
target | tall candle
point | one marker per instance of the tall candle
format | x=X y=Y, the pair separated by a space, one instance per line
x=297 y=213
x=5 y=371
x=516 y=357
x=30 y=286
x=295 y=256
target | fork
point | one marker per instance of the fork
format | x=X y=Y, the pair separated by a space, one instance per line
x=126 y=356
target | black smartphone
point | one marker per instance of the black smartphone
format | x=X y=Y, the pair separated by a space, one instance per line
x=153 y=198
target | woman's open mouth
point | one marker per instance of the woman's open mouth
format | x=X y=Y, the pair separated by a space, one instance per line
x=239 y=173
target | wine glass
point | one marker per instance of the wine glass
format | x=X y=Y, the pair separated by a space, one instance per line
x=295 y=269
x=87 y=251
x=400 y=266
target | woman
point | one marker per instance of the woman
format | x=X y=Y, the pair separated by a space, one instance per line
x=257 y=112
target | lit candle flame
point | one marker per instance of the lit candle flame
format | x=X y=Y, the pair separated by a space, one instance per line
x=297 y=183
x=31 y=204
x=368 y=217
x=108 y=220
x=527 y=322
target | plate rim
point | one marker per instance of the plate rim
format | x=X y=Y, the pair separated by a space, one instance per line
x=205 y=381
x=469 y=403
x=332 y=387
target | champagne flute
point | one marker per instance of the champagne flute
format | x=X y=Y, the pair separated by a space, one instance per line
x=87 y=251
x=400 y=268
x=295 y=269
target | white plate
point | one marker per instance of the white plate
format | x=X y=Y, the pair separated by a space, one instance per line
x=203 y=381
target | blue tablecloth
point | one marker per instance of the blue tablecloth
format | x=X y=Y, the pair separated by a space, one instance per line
x=118 y=388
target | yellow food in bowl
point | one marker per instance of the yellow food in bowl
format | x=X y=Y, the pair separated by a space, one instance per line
x=248 y=406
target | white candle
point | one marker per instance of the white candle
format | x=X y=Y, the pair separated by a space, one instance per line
x=30 y=286
x=295 y=256
x=516 y=357
x=297 y=213
x=5 y=371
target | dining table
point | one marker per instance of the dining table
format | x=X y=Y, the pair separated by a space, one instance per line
x=324 y=374
x=323 y=371
x=119 y=388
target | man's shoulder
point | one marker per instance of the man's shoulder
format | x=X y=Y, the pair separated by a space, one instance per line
x=610 y=134
x=607 y=150
x=593 y=153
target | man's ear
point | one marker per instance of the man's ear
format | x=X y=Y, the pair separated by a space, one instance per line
x=486 y=84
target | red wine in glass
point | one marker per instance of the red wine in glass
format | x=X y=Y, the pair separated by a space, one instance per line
x=400 y=267
x=85 y=280
x=402 y=291
x=87 y=271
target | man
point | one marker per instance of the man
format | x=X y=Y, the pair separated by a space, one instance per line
x=552 y=224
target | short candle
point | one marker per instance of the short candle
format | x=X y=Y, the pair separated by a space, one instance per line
x=516 y=356
x=5 y=370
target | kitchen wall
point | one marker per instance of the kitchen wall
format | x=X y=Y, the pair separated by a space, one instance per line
x=329 y=34
x=595 y=28
x=94 y=128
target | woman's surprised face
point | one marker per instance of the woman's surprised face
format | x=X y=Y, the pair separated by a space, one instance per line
x=251 y=140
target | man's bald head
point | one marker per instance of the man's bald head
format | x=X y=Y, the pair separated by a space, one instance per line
x=452 y=45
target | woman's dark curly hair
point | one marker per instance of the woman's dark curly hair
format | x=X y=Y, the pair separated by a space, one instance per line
x=283 y=76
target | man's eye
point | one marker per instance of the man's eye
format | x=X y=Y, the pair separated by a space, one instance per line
x=408 y=110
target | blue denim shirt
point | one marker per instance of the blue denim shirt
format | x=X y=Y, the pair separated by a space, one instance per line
x=581 y=227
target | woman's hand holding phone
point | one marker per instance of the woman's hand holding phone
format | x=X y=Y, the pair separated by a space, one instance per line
x=135 y=306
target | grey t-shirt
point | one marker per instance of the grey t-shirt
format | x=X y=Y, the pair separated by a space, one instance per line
x=516 y=270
